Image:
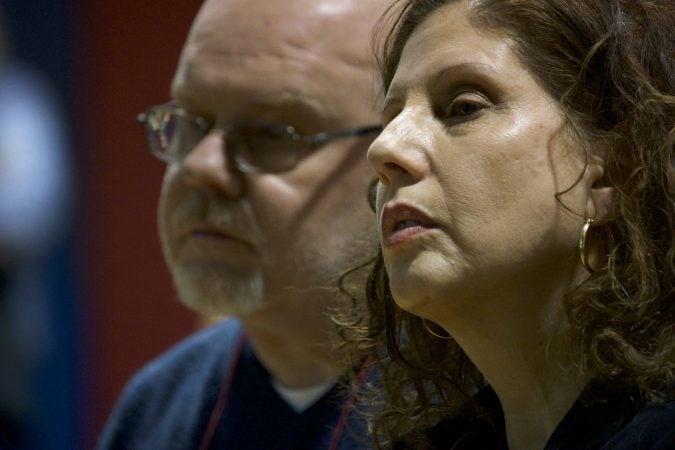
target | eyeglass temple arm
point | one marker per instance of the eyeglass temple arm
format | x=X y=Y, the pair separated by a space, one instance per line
x=320 y=138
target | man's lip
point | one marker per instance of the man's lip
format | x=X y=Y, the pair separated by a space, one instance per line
x=397 y=213
x=205 y=232
x=208 y=230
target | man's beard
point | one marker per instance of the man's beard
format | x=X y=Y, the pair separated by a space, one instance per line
x=210 y=291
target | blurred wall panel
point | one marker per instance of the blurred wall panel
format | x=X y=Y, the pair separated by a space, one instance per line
x=127 y=52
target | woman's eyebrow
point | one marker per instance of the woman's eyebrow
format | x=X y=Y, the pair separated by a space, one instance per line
x=477 y=71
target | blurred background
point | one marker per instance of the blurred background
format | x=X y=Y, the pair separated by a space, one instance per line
x=85 y=298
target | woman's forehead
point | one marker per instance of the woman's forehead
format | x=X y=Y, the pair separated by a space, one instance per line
x=447 y=40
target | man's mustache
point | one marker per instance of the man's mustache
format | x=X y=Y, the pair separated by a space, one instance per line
x=199 y=208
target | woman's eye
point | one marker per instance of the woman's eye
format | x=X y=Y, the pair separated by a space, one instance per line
x=464 y=107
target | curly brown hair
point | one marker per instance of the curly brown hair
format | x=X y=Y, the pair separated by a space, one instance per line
x=610 y=66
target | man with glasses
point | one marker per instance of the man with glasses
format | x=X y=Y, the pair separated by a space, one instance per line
x=263 y=207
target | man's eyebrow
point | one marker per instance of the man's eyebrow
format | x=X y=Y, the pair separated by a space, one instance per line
x=302 y=110
x=306 y=112
x=288 y=102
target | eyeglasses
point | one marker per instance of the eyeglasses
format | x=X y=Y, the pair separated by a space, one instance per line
x=255 y=147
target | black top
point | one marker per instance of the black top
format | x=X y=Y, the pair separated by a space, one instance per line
x=616 y=424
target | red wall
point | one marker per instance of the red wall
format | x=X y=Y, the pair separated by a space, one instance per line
x=128 y=50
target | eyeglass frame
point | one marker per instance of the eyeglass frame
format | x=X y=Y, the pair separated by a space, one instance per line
x=311 y=142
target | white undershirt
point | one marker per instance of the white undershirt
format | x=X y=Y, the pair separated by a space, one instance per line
x=302 y=398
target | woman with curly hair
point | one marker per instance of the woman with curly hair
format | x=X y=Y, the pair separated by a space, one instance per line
x=524 y=291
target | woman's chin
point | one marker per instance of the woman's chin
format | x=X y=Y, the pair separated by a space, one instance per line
x=413 y=299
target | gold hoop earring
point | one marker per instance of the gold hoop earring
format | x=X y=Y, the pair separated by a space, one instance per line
x=582 y=245
x=433 y=333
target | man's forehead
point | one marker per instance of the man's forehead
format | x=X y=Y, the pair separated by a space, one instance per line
x=285 y=55
x=262 y=23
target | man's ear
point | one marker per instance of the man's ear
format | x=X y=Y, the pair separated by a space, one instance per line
x=600 y=205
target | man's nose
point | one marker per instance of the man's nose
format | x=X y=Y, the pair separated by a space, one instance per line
x=208 y=166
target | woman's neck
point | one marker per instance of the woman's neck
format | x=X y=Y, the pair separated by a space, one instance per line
x=526 y=355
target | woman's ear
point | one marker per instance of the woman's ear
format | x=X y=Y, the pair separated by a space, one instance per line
x=600 y=205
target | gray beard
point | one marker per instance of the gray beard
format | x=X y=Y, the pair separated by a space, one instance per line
x=213 y=293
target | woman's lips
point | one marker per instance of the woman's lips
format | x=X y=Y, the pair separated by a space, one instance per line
x=401 y=222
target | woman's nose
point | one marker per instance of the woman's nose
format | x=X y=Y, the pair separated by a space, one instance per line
x=208 y=166
x=397 y=155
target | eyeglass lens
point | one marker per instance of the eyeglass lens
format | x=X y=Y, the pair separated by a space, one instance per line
x=265 y=148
